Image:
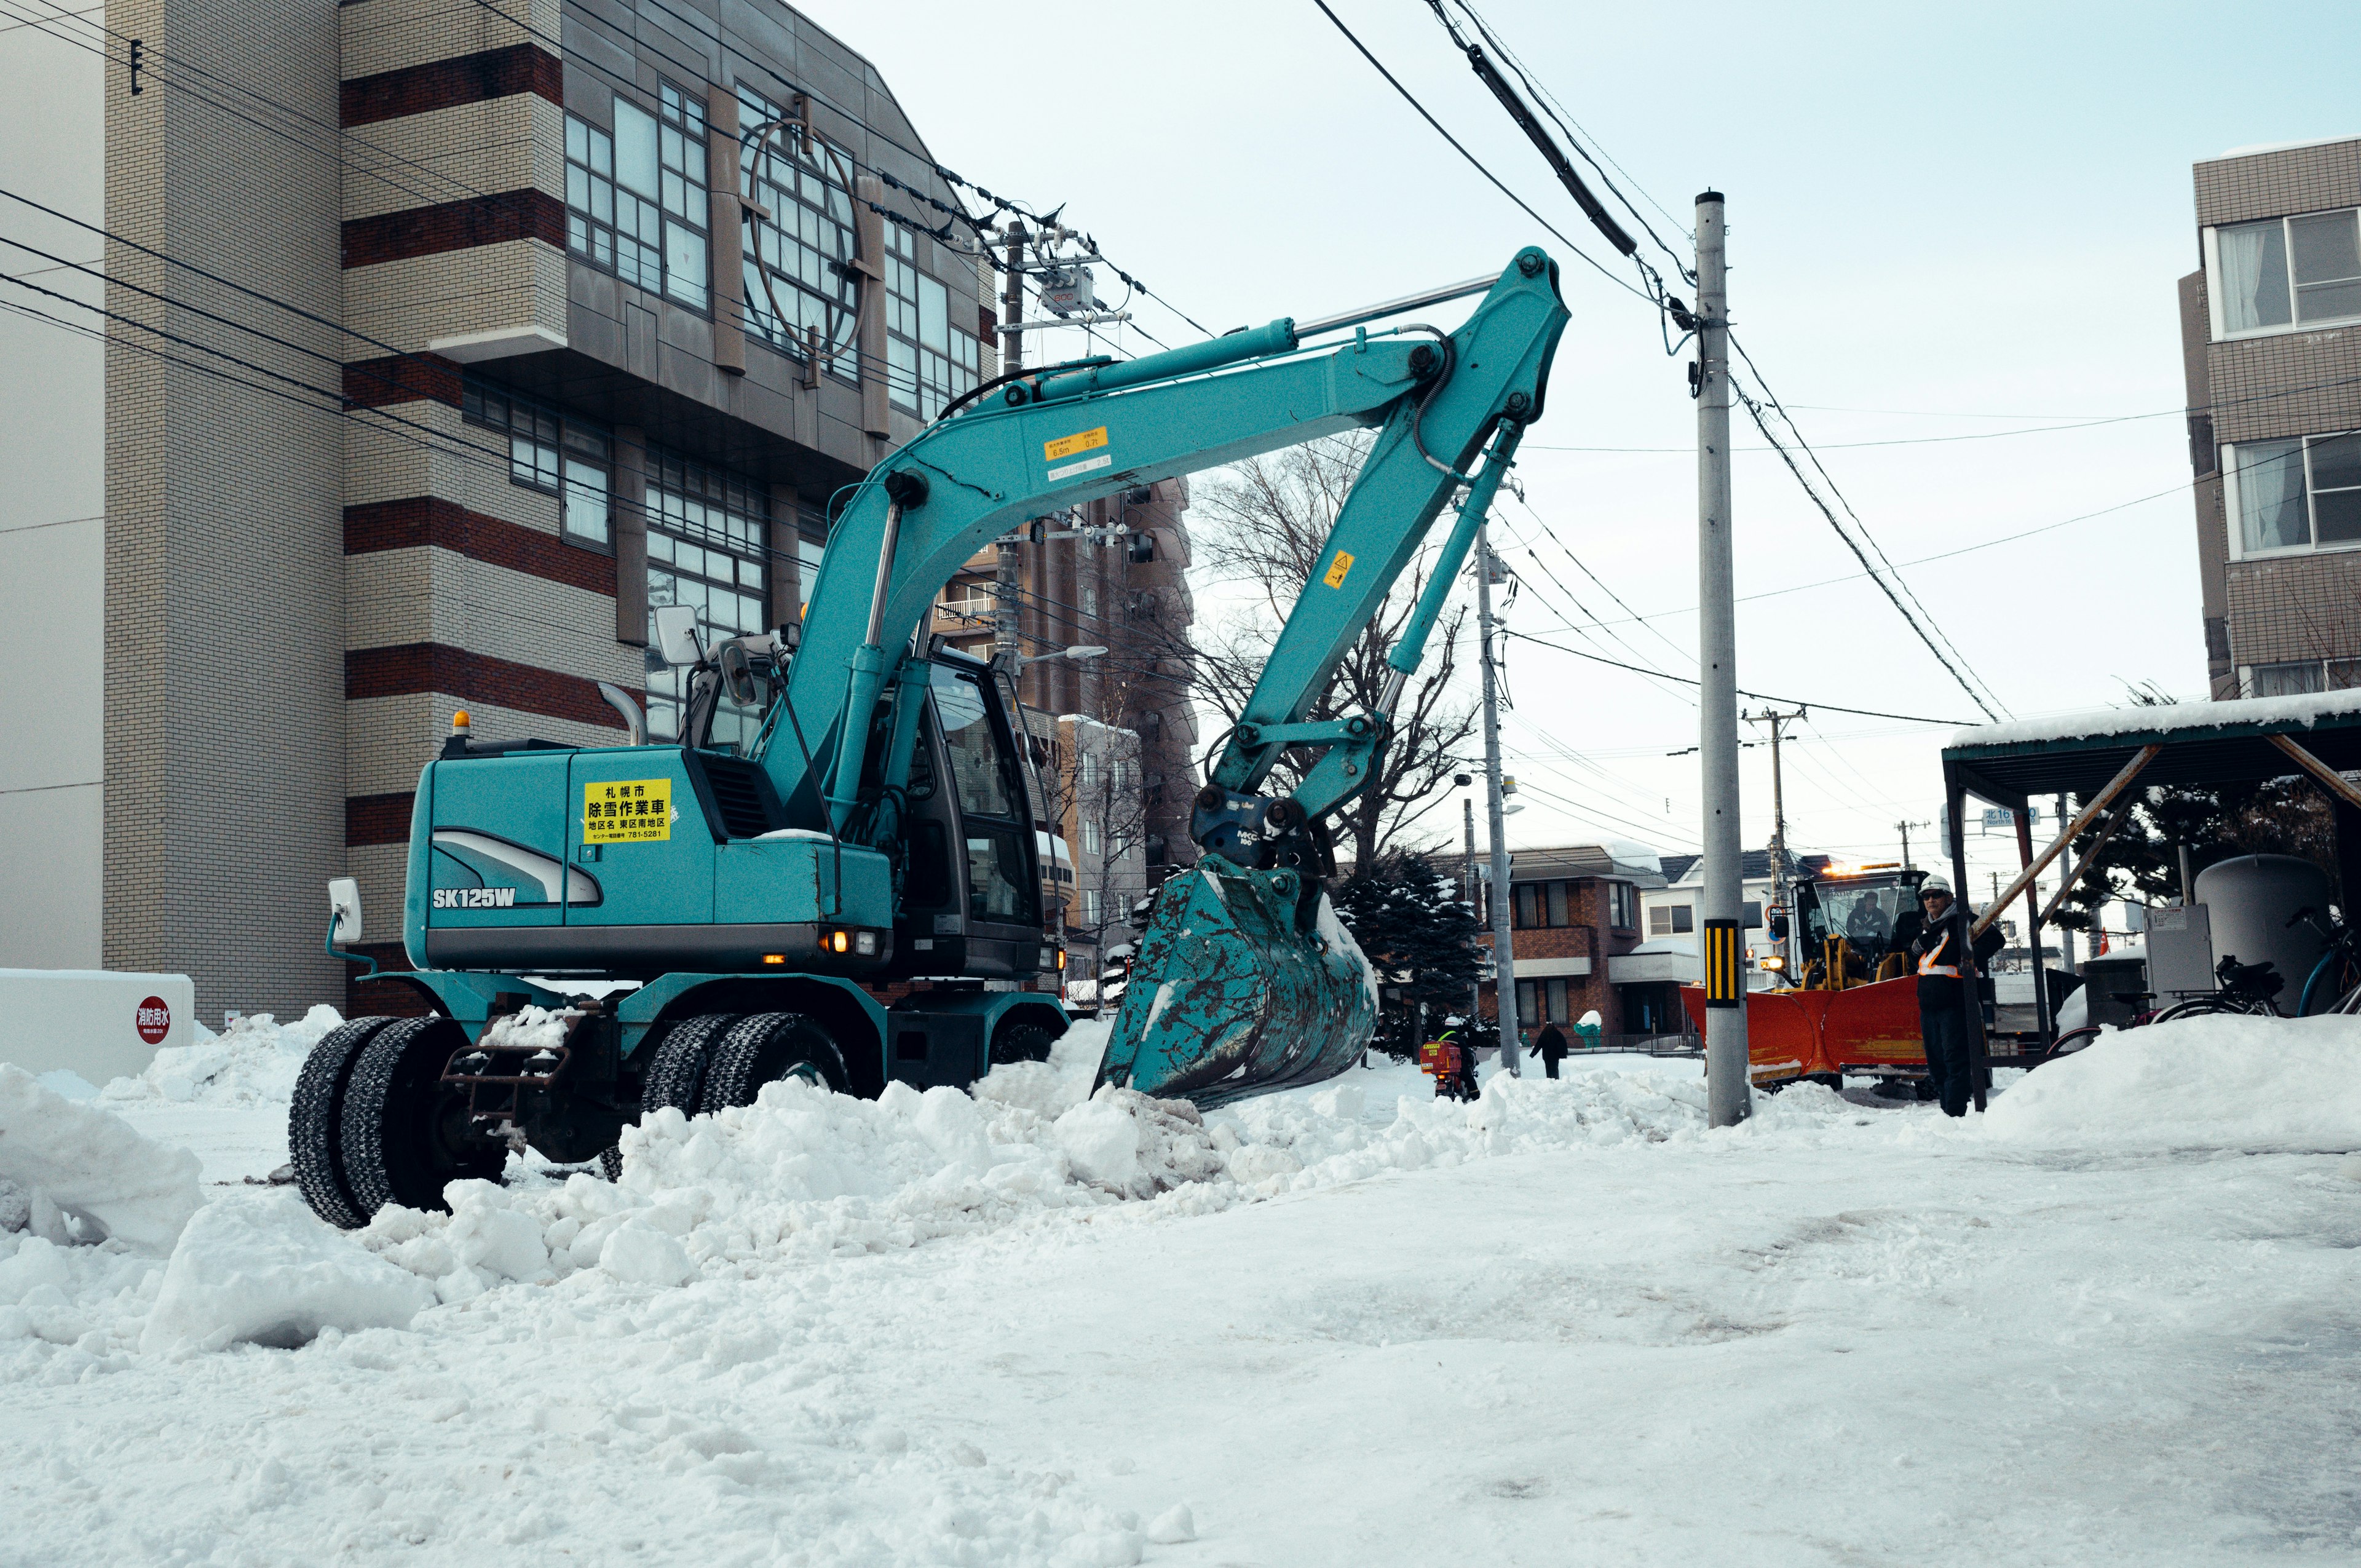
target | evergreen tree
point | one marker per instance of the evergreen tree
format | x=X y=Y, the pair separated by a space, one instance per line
x=1421 y=940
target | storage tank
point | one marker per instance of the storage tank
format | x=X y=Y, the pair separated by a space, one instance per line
x=2250 y=900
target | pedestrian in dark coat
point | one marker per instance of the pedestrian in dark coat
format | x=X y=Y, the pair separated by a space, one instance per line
x=1941 y=953
x=1553 y=1048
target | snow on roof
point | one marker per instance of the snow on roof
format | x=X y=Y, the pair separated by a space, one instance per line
x=2254 y=148
x=2306 y=708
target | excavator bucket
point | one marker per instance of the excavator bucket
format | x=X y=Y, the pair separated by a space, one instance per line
x=1232 y=996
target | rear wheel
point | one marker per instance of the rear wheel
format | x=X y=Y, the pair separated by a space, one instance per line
x=314 y=1120
x=405 y=1136
x=2196 y=1008
x=677 y=1075
x=1020 y=1042
x=766 y=1049
x=2073 y=1040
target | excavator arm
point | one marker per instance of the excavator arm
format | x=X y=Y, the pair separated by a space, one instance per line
x=1245 y=981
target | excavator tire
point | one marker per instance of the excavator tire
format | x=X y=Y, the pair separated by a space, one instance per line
x=405 y=1137
x=676 y=1074
x=764 y=1048
x=315 y=1120
x=1020 y=1042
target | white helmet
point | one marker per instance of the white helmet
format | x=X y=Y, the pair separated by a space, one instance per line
x=1935 y=884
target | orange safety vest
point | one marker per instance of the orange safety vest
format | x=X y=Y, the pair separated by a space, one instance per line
x=1927 y=964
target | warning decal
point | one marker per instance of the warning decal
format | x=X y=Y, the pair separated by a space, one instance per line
x=627 y=811
x=1067 y=446
x=1337 y=568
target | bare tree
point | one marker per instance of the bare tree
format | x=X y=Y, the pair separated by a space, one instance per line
x=1263 y=527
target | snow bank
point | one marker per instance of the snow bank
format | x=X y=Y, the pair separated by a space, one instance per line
x=804 y=1174
x=254 y=1061
x=84 y=1175
x=268 y=1273
x=2305 y=709
x=2254 y=1084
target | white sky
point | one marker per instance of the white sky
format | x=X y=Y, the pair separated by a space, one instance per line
x=1940 y=227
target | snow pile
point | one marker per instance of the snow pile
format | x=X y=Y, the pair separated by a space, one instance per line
x=256 y=1060
x=269 y=1273
x=2225 y=1082
x=80 y=1174
x=804 y=1174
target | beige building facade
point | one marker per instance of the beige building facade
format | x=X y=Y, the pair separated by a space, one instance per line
x=2271 y=347
x=441 y=359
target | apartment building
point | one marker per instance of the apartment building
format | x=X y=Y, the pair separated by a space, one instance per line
x=515 y=379
x=1574 y=920
x=2270 y=330
x=1672 y=912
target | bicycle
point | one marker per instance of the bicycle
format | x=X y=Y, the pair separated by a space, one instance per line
x=2248 y=989
x=2338 y=973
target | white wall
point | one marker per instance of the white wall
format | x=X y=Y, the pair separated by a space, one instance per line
x=52 y=537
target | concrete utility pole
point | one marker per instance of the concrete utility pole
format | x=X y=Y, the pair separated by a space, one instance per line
x=1729 y=1092
x=2066 y=955
x=1776 y=719
x=1504 y=963
x=1468 y=880
x=1903 y=828
x=1005 y=649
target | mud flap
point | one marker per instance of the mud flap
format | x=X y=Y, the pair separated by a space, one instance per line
x=1232 y=997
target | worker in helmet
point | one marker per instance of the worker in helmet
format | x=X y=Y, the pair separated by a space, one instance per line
x=1946 y=960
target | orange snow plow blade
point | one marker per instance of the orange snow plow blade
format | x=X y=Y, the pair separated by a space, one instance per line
x=1792 y=1034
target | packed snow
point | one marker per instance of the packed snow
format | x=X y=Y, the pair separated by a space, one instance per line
x=2302 y=708
x=2108 y=1320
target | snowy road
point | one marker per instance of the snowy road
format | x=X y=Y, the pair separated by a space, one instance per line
x=1851 y=1334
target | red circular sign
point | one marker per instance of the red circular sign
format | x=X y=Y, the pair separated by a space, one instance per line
x=154 y=1020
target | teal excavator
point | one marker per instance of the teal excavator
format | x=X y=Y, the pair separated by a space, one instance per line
x=738 y=901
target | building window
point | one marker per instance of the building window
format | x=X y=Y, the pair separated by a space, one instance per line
x=707 y=545
x=1089 y=906
x=635 y=197
x=931 y=359
x=2302 y=676
x=1542 y=904
x=1623 y=906
x=1090 y=838
x=2300 y=494
x=551 y=452
x=1672 y=920
x=807 y=242
x=2283 y=274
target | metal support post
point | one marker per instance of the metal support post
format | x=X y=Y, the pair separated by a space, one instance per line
x=1475 y=903
x=2068 y=955
x=2033 y=929
x=1504 y=960
x=1729 y=1092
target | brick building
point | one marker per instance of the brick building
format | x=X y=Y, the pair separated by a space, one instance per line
x=520 y=382
x=1575 y=918
x=2270 y=329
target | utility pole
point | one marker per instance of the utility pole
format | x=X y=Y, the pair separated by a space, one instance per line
x=2066 y=949
x=1903 y=828
x=1468 y=880
x=1729 y=1092
x=1004 y=648
x=1504 y=963
x=1776 y=719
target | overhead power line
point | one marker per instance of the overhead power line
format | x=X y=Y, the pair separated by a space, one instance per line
x=1761 y=697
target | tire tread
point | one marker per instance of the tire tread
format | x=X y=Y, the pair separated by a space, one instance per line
x=314 y=1120
x=730 y=1080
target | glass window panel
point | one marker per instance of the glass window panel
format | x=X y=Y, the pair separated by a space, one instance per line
x=2254 y=281
x=676 y=194
x=674 y=150
x=750 y=574
x=1557 y=914
x=578 y=139
x=586 y=501
x=602 y=200
x=1557 y=1012
x=968 y=743
x=636 y=164
x=2328 y=302
x=2336 y=517
x=577 y=187
x=933 y=315
x=2324 y=247
x=2343 y=675
x=660 y=546
x=2335 y=462
x=2270 y=495
x=2288 y=680
x=684 y=264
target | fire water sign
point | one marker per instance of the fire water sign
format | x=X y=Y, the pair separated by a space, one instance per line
x=153 y=1020
x=627 y=811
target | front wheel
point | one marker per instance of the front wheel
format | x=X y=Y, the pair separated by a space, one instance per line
x=1017 y=1042
x=405 y=1136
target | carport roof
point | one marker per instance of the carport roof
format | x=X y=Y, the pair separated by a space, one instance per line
x=2203 y=744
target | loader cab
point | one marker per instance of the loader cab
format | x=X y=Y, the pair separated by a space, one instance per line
x=972 y=880
x=1874 y=908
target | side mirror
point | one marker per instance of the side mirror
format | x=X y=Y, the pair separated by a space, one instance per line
x=345 y=909
x=675 y=638
x=738 y=676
